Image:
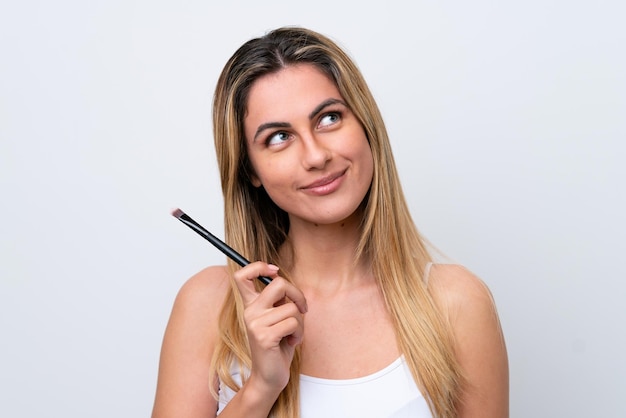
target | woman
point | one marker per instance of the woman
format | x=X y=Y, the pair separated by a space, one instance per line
x=357 y=321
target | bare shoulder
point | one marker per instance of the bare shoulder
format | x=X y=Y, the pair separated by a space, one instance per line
x=204 y=291
x=194 y=317
x=457 y=289
x=188 y=343
x=479 y=343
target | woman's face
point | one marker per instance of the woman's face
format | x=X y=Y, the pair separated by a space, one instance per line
x=306 y=147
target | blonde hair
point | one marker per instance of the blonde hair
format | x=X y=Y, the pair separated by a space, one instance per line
x=258 y=228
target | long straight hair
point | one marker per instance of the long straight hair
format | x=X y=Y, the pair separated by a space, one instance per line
x=389 y=240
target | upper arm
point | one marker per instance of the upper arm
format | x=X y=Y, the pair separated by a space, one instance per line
x=190 y=336
x=479 y=343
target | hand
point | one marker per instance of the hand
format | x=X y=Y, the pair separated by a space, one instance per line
x=274 y=323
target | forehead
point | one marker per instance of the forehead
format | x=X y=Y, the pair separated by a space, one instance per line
x=288 y=93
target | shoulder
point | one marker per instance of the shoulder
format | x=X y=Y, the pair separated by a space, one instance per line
x=194 y=316
x=190 y=336
x=197 y=307
x=467 y=303
x=479 y=343
x=204 y=290
x=457 y=290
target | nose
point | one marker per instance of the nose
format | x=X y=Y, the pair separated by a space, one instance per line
x=315 y=155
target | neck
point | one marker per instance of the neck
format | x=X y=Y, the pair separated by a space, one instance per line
x=324 y=256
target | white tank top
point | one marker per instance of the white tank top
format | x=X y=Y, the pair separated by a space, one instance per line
x=388 y=393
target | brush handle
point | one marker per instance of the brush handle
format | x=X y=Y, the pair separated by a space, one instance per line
x=218 y=243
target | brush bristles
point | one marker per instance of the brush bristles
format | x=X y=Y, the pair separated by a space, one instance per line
x=177 y=213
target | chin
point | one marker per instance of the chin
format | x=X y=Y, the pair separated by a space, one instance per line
x=336 y=218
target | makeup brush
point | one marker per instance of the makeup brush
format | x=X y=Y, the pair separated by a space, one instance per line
x=219 y=244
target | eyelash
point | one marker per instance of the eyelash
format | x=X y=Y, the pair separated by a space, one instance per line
x=272 y=135
x=337 y=113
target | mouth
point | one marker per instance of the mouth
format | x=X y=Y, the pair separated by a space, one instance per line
x=326 y=184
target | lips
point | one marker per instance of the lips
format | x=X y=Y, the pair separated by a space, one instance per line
x=325 y=184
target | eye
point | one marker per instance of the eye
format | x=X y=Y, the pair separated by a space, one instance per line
x=277 y=138
x=330 y=119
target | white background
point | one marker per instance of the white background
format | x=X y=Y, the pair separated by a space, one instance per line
x=508 y=125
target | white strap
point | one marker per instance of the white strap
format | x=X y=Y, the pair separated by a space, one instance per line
x=427 y=272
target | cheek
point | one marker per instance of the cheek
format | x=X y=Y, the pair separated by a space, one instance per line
x=368 y=169
x=366 y=159
x=271 y=174
x=258 y=168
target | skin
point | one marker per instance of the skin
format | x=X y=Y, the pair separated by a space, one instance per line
x=307 y=149
x=312 y=157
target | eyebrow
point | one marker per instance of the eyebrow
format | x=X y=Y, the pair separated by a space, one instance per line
x=324 y=104
x=318 y=109
x=269 y=125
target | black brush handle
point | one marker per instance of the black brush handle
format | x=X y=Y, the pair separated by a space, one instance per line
x=218 y=243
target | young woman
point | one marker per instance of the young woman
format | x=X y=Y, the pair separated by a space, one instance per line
x=358 y=321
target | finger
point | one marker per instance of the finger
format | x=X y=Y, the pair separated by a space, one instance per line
x=280 y=289
x=292 y=330
x=297 y=335
x=289 y=329
x=275 y=324
x=246 y=276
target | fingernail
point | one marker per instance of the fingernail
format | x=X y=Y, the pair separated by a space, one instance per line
x=273 y=267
